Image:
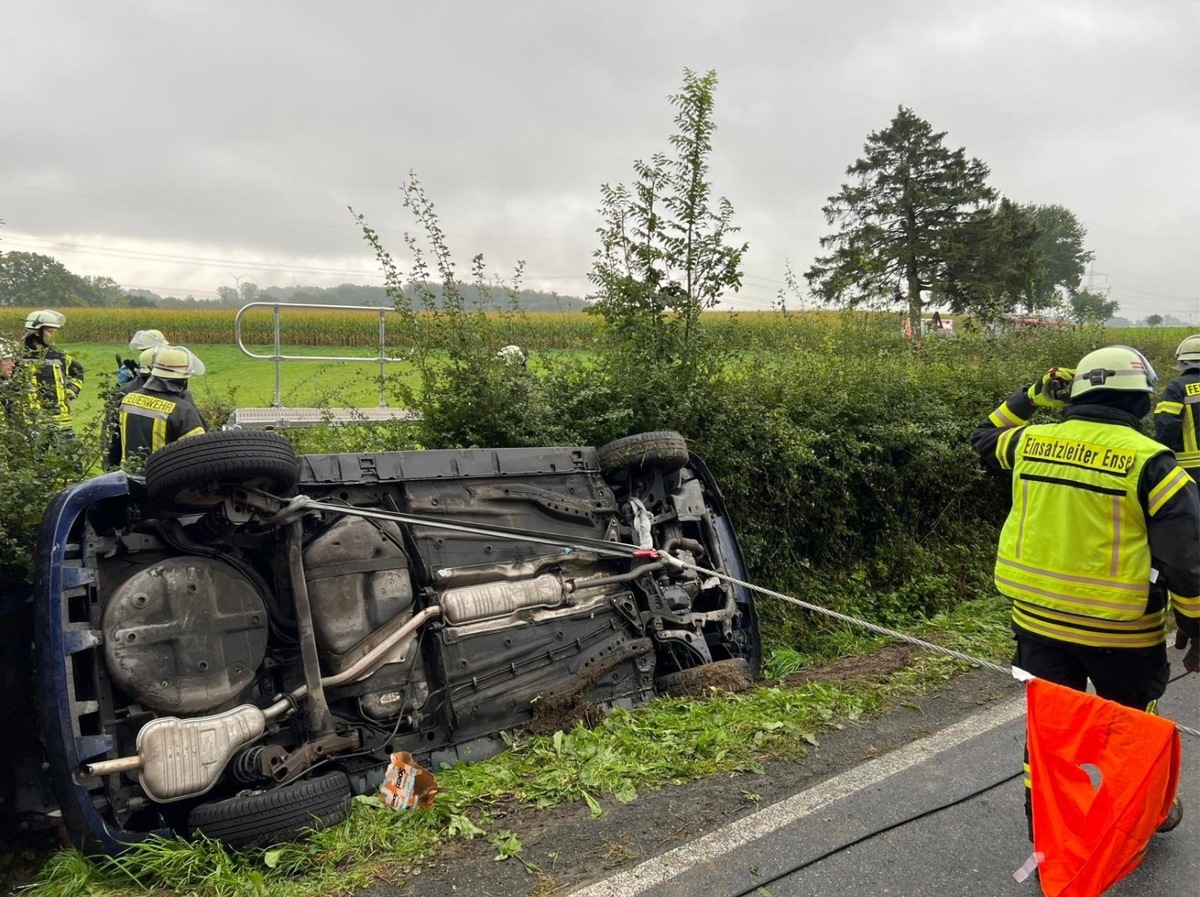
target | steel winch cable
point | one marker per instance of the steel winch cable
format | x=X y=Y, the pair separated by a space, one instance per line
x=874 y=627
x=303 y=503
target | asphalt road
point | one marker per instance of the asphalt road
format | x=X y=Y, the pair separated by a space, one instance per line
x=917 y=821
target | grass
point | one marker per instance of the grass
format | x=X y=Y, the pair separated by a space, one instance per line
x=668 y=741
x=232 y=377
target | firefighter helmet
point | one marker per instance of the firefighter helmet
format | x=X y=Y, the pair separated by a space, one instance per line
x=1188 y=353
x=175 y=363
x=512 y=355
x=146 y=360
x=1113 y=367
x=47 y=317
x=147 y=339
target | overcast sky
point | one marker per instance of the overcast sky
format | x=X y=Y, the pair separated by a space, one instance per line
x=184 y=146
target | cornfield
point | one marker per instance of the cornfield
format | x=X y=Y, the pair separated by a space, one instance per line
x=301 y=326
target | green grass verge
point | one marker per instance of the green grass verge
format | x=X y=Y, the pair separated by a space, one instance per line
x=667 y=741
x=234 y=378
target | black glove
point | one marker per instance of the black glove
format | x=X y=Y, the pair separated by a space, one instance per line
x=1191 y=660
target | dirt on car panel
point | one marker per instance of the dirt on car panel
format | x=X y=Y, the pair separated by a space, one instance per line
x=563 y=713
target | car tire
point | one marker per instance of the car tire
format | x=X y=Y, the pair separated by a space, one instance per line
x=189 y=473
x=662 y=449
x=729 y=675
x=281 y=814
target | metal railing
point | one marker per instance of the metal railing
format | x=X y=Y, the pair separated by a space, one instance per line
x=382 y=359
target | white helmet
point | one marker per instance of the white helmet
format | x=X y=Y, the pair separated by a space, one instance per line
x=1113 y=367
x=511 y=355
x=1188 y=353
x=147 y=339
x=47 y=317
x=175 y=363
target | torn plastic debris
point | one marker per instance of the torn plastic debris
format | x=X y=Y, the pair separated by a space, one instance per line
x=407 y=785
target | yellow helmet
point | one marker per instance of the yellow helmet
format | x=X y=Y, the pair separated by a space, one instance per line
x=147 y=339
x=175 y=363
x=1113 y=367
x=146 y=360
x=1188 y=353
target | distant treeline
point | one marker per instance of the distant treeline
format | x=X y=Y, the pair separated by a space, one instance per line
x=31 y=280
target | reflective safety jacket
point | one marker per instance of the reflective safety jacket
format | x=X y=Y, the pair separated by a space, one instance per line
x=1177 y=420
x=149 y=419
x=58 y=380
x=1103 y=522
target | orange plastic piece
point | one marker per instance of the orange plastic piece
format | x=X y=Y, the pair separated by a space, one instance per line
x=1091 y=837
x=407 y=785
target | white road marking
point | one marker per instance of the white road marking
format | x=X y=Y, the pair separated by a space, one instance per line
x=714 y=845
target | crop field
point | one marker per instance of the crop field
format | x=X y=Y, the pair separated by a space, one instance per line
x=301 y=326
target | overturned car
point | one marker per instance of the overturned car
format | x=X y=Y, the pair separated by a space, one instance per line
x=237 y=642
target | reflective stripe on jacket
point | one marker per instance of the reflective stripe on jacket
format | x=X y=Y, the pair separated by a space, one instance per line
x=1075 y=540
x=1173 y=532
x=1177 y=419
x=147 y=420
x=58 y=380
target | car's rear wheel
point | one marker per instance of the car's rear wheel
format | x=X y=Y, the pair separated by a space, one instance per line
x=280 y=814
x=190 y=473
x=665 y=450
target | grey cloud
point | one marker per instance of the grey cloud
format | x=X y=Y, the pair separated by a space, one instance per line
x=244 y=129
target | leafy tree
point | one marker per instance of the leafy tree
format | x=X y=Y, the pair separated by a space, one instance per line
x=1154 y=320
x=1091 y=308
x=29 y=279
x=989 y=261
x=665 y=254
x=1060 y=256
x=103 y=291
x=898 y=218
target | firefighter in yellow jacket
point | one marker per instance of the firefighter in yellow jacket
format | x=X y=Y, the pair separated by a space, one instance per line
x=161 y=412
x=1103 y=523
x=57 y=376
x=1177 y=415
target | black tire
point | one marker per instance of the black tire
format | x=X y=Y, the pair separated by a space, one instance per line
x=729 y=675
x=189 y=473
x=281 y=814
x=662 y=449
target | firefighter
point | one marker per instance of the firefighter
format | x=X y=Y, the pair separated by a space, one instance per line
x=161 y=411
x=145 y=361
x=1177 y=416
x=129 y=370
x=1103 y=523
x=57 y=377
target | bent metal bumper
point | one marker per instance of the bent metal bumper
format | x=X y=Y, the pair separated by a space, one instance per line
x=57 y=639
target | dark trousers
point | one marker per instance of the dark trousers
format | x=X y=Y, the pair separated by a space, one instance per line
x=1134 y=677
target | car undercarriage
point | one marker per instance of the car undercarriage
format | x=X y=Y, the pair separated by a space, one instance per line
x=238 y=641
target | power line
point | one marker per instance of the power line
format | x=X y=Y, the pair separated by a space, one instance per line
x=1117 y=286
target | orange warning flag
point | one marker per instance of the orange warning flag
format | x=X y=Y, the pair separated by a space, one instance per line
x=1103 y=777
